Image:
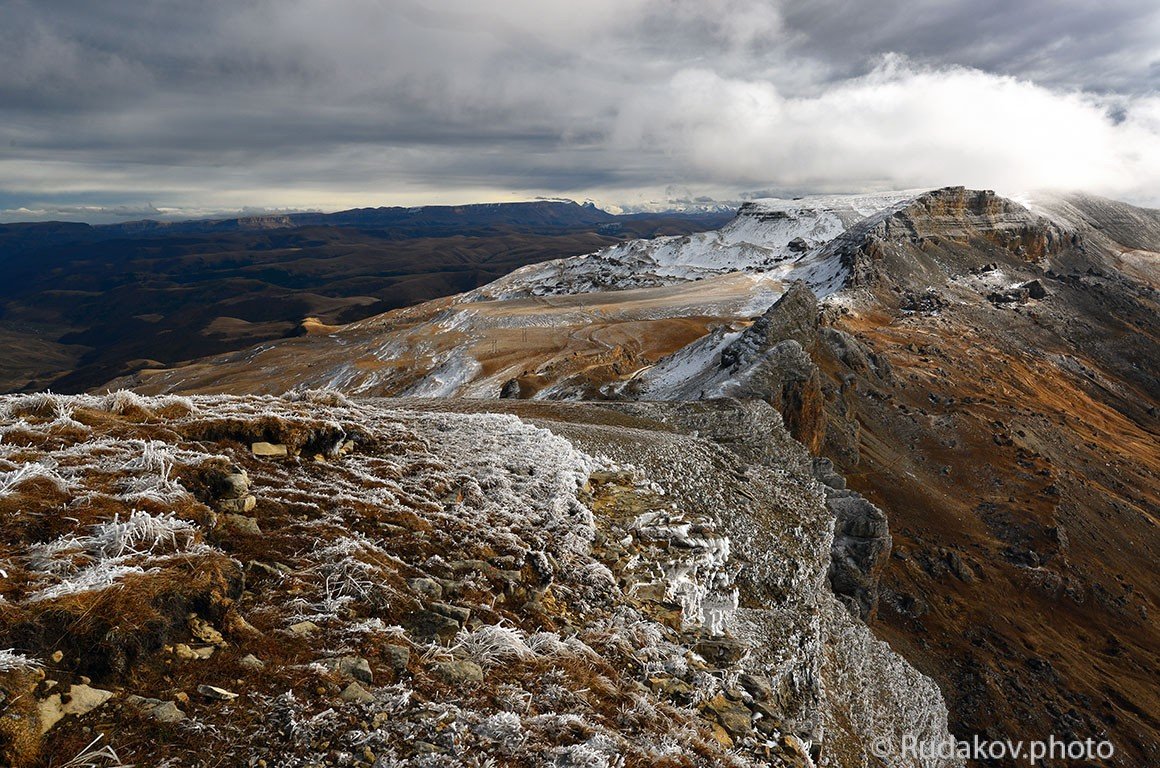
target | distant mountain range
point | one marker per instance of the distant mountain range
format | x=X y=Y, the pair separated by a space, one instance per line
x=82 y=303
x=541 y=216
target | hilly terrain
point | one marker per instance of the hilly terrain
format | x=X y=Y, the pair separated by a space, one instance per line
x=81 y=304
x=977 y=379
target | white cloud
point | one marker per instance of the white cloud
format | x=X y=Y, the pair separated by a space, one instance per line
x=900 y=126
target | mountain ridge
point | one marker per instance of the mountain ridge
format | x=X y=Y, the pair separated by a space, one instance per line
x=985 y=375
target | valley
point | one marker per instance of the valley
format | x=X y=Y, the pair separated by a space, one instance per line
x=80 y=305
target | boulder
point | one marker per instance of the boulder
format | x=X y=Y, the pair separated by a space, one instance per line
x=720 y=652
x=455 y=612
x=230 y=484
x=356 y=693
x=459 y=671
x=204 y=631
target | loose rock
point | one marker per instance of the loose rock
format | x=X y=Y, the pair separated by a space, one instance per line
x=459 y=671
x=428 y=588
x=356 y=693
x=397 y=656
x=215 y=693
x=251 y=662
x=352 y=667
x=159 y=710
x=80 y=700
x=303 y=629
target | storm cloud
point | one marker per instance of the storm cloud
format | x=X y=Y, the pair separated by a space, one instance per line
x=177 y=108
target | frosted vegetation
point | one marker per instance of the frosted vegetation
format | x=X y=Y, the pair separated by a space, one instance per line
x=513 y=598
x=467 y=486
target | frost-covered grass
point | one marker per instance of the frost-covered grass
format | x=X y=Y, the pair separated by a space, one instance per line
x=111 y=550
x=419 y=494
x=140 y=533
x=95 y=755
x=11 y=479
x=10 y=660
x=493 y=644
x=114 y=537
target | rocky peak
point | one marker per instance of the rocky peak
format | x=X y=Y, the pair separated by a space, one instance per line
x=942 y=234
x=793 y=316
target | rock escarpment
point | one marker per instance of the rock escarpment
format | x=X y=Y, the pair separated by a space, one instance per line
x=426 y=583
x=861 y=543
x=771 y=361
x=943 y=233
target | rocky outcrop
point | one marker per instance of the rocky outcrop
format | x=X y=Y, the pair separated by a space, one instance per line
x=861 y=543
x=793 y=316
x=861 y=546
x=1032 y=289
x=756 y=444
x=785 y=377
x=943 y=233
x=770 y=361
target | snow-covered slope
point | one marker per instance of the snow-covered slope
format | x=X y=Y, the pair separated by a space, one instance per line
x=562 y=329
x=783 y=237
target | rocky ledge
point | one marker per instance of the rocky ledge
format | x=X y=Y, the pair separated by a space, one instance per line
x=310 y=581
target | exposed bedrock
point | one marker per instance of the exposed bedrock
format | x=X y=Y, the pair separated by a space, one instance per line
x=839 y=685
x=944 y=232
x=861 y=543
x=770 y=361
x=774 y=361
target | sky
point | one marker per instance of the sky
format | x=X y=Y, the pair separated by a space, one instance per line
x=126 y=109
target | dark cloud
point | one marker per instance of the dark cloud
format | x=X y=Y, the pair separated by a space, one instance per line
x=216 y=105
x=1109 y=45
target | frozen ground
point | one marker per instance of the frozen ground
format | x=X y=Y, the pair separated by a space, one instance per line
x=313 y=580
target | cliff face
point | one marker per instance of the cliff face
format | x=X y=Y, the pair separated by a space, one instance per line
x=311 y=580
x=992 y=385
x=942 y=233
x=772 y=360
